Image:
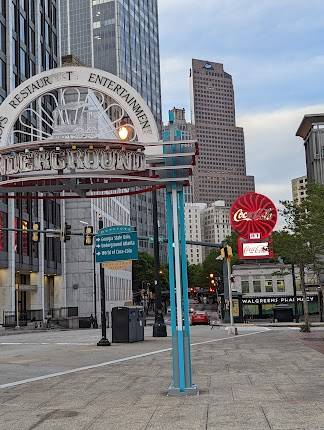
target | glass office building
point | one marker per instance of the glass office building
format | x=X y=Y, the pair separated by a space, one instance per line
x=121 y=37
x=28 y=45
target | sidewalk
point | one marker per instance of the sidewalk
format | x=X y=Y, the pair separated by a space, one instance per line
x=269 y=380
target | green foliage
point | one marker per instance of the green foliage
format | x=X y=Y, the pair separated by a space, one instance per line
x=211 y=264
x=301 y=242
x=143 y=272
x=196 y=276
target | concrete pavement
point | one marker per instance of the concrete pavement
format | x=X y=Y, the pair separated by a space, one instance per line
x=269 y=380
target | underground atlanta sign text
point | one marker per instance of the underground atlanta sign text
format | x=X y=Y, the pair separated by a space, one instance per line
x=117 y=243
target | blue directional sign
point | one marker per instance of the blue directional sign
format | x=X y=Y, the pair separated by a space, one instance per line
x=117 y=243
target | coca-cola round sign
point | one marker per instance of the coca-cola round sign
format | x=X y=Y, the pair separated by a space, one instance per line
x=253 y=216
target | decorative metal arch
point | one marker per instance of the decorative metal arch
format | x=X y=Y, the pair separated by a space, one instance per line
x=60 y=131
x=73 y=77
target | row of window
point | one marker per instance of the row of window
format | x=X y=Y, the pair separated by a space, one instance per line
x=255 y=287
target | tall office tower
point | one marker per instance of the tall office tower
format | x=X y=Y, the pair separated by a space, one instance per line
x=298 y=188
x=221 y=168
x=216 y=224
x=195 y=231
x=179 y=129
x=311 y=130
x=28 y=45
x=121 y=37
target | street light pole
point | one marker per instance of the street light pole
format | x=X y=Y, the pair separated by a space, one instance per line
x=103 y=341
x=159 y=327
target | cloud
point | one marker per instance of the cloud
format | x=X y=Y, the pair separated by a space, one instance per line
x=274 y=51
x=274 y=154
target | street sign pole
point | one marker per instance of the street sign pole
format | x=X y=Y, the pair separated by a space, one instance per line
x=103 y=341
x=230 y=292
x=227 y=254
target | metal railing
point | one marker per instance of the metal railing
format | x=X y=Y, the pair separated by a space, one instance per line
x=9 y=318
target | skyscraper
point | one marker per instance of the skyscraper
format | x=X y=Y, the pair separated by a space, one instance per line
x=121 y=37
x=28 y=271
x=299 y=189
x=311 y=130
x=221 y=168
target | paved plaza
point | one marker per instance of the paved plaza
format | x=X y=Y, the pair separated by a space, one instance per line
x=261 y=379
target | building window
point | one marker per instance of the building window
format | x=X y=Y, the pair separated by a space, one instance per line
x=268 y=286
x=245 y=286
x=257 y=286
x=280 y=285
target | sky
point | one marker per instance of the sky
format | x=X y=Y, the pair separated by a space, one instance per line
x=274 y=50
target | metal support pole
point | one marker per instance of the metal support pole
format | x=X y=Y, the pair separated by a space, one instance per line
x=17 y=306
x=103 y=341
x=159 y=327
x=95 y=323
x=232 y=329
x=295 y=291
x=185 y=298
x=230 y=292
x=181 y=383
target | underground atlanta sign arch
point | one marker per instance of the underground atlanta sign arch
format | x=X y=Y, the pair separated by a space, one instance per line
x=75 y=157
x=76 y=76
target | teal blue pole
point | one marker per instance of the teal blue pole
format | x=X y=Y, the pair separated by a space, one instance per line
x=169 y=220
x=182 y=237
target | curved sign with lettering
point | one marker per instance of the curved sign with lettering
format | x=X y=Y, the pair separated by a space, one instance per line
x=253 y=216
x=75 y=76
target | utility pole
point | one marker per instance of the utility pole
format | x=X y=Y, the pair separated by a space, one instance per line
x=103 y=341
x=227 y=254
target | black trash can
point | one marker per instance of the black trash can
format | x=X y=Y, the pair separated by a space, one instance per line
x=283 y=313
x=84 y=322
x=127 y=324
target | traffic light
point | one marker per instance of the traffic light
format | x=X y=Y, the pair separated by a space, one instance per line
x=66 y=232
x=227 y=252
x=88 y=235
x=36 y=233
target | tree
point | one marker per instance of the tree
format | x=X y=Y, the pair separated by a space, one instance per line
x=302 y=240
x=143 y=271
x=195 y=276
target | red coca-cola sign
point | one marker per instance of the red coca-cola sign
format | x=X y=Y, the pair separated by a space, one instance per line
x=253 y=216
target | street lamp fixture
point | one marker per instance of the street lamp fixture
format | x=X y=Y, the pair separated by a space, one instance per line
x=123 y=133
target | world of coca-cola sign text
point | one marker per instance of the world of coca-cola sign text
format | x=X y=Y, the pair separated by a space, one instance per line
x=253 y=216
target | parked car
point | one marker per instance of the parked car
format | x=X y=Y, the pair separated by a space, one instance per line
x=199 y=317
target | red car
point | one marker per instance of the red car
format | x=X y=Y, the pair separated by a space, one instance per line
x=199 y=317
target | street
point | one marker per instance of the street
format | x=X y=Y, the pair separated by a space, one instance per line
x=261 y=379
